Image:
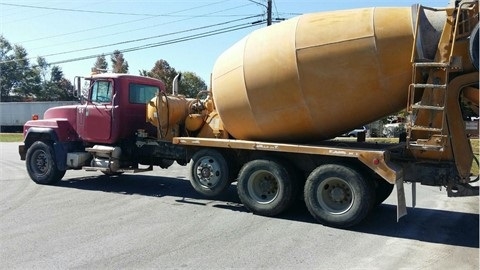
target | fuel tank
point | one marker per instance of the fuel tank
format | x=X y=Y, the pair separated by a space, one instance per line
x=315 y=76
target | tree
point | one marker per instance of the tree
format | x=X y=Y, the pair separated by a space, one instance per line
x=7 y=69
x=42 y=65
x=56 y=74
x=42 y=69
x=190 y=84
x=28 y=79
x=162 y=71
x=101 y=64
x=20 y=81
x=62 y=87
x=119 y=65
x=57 y=87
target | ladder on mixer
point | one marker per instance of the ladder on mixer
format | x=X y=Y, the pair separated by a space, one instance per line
x=437 y=135
x=434 y=133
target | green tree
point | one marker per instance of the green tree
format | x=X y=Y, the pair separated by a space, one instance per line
x=119 y=65
x=56 y=74
x=42 y=68
x=101 y=64
x=190 y=84
x=20 y=81
x=162 y=71
x=42 y=65
x=28 y=79
x=61 y=87
x=57 y=87
x=7 y=69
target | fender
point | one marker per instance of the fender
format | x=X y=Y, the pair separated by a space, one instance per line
x=47 y=135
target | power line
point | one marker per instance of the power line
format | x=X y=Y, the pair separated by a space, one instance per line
x=258 y=3
x=276 y=10
x=168 y=42
x=127 y=22
x=85 y=11
x=152 y=37
x=162 y=43
x=30 y=17
x=268 y=7
x=142 y=28
x=131 y=21
x=181 y=39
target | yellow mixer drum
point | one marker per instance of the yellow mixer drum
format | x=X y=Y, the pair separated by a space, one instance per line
x=315 y=76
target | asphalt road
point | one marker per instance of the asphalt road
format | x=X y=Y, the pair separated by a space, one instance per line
x=156 y=220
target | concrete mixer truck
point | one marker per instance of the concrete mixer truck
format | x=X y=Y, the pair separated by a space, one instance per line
x=277 y=99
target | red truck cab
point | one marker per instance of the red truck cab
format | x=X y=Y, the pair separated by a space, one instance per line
x=113 y=110
x=115 y=107
x=110 y=114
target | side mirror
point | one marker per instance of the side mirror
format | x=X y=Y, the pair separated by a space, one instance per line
x=77 y=86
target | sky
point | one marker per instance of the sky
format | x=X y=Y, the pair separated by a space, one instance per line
x=146 y=31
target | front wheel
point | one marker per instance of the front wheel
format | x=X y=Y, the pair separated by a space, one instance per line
x=209 y=173
x=41 y=164
x=338 y=196
x=266 y=187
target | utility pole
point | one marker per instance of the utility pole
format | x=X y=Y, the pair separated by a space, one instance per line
x=269 y=12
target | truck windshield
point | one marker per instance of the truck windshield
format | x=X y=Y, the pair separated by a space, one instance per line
x=141 y=94
x=102 y=92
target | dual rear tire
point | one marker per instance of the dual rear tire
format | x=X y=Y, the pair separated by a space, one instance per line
x=335 y=195
x=338 y=196
x=267 y=187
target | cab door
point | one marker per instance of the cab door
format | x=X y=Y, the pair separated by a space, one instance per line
x=95 y=117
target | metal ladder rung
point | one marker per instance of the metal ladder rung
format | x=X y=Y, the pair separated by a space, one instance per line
x=429 y=85
x=423 y=128
x=432 y=64
x=426 y=147
x=428 y=107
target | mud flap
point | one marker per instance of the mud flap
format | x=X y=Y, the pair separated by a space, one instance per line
x=414 y=194
x=401 y=204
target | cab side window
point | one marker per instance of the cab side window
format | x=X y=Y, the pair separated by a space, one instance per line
x=102 y=92
x=141 y=94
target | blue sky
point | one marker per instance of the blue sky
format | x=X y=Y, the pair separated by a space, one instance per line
x=71 y=29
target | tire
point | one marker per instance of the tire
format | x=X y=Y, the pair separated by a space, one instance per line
x=41 y=164
x=383 y=189
x=209 y=173
x=338 y=196
x=266 y=187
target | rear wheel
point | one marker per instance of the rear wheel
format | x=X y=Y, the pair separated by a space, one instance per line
x=209 y=173
x=41 y=164
x=266 y=187
x=338 y=196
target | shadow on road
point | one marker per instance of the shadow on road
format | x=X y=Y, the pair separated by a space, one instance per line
x=146 y=185
x=426 y=225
